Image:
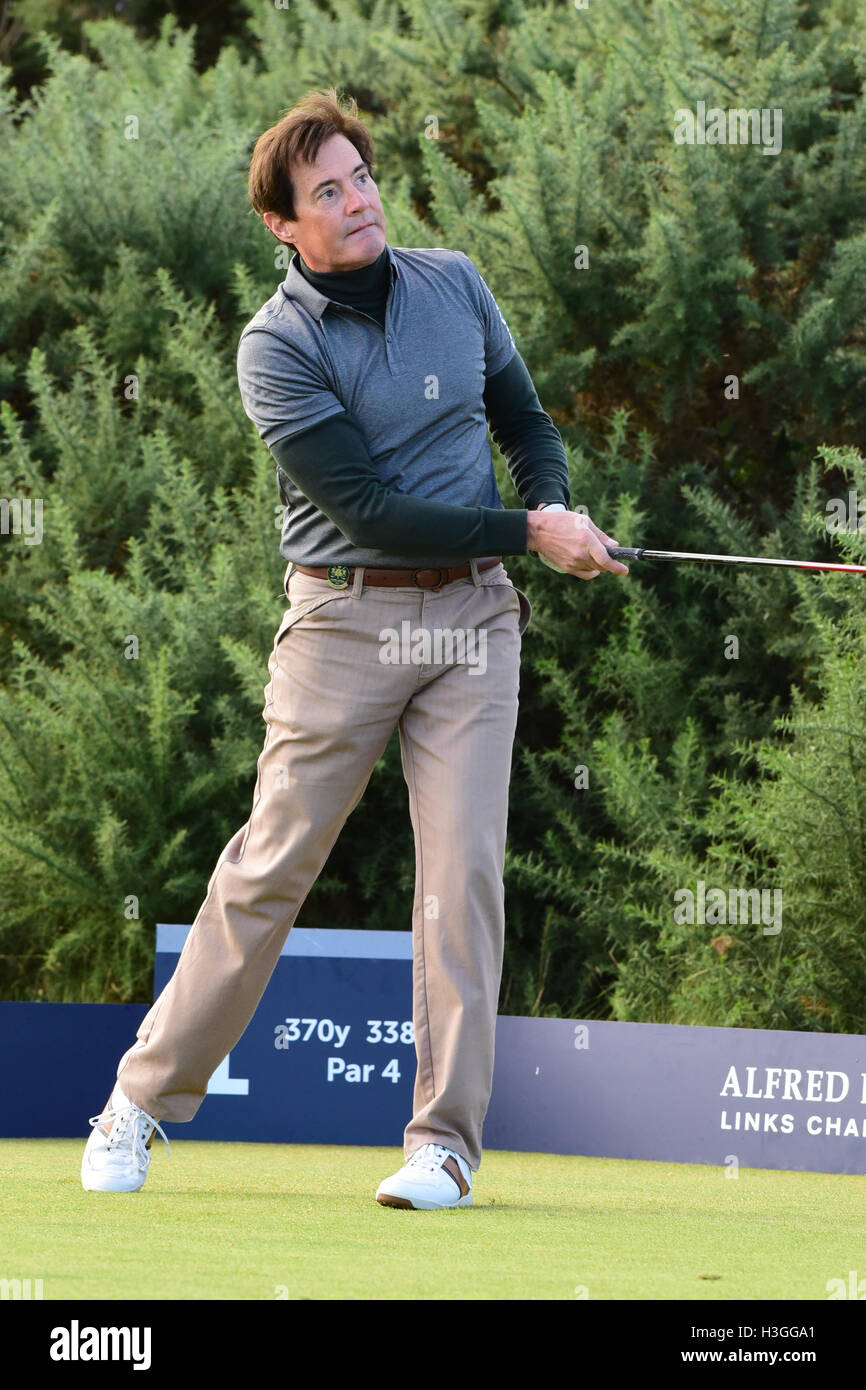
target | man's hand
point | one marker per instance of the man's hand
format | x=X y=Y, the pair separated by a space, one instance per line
x=572 y=542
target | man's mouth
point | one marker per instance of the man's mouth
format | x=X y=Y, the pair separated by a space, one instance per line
x=362 y=229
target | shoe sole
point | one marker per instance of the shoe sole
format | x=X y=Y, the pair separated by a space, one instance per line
x=91 y=1187
x=94 y=1181
x=108 y=1185
x=386 y=1199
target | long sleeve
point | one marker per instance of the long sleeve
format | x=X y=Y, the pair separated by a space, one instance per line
x=526 y=435
x=330 y=465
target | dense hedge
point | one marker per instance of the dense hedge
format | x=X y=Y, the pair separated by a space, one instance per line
x=704 y=360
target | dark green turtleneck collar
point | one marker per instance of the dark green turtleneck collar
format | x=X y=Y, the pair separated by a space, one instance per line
x=365 y=289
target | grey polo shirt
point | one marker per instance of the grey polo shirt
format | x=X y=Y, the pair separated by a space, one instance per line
x=415 y=390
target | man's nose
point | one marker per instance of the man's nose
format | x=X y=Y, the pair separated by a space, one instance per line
x=358 y=202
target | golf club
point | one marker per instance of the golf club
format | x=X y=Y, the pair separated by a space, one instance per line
x=628 y=552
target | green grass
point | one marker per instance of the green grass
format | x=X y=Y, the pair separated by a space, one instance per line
x=238 y=1221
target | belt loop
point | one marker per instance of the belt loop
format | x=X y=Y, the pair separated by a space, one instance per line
x=358 y=585
x=473 y=565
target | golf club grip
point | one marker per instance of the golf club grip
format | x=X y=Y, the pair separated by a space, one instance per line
x=624 y=552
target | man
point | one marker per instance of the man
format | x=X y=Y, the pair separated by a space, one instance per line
x=371 y=374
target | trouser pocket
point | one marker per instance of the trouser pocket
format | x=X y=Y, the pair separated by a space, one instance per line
x=525 y=611
x=525 y=614
x=301 y=609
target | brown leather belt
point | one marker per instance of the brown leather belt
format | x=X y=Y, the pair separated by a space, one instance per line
x=341 y=576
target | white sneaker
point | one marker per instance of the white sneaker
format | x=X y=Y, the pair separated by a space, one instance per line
x=433 y=1178
x=116 y=1159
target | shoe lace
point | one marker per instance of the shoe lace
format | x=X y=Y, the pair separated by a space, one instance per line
x=429 y=1158
x=130 y=1116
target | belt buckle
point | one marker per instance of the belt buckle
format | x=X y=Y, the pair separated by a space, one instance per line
x=338 y=576
x=429 y=570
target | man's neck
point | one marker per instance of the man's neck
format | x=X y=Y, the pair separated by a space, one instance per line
x=361 y=277
x=365 y=289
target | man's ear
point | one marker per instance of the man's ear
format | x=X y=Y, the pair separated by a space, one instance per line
x=282 y=239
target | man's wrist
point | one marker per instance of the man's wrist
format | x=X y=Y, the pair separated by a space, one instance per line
x=532 y=525
x=531 y=531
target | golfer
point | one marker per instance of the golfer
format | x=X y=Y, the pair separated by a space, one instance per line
x=371 y=374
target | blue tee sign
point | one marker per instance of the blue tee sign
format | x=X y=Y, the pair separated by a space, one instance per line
x=329 y=1057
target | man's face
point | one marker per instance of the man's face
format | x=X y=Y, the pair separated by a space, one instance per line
x=339 y=223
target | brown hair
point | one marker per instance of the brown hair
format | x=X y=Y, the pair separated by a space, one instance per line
x=298 y=137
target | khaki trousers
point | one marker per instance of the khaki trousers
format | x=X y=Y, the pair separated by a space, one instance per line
x=330 y=707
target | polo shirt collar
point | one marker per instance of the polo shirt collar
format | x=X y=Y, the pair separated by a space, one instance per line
x=296 y=287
